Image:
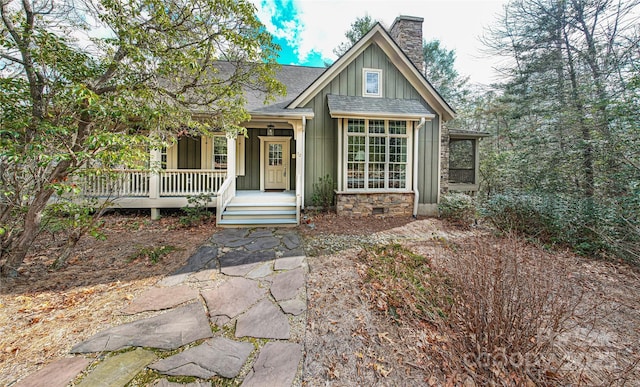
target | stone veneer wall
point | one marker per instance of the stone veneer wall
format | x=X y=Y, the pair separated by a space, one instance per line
x=444 y=159
x=362 y=204
x=407 y=33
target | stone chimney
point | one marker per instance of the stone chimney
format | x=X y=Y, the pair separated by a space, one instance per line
x=407 y=32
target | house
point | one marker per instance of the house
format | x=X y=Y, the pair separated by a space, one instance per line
x=371 y=122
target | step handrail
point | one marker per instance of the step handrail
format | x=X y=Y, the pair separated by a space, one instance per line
x=226 y=192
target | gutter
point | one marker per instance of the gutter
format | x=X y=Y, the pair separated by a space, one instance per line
x=416 y=193
x=304 y=159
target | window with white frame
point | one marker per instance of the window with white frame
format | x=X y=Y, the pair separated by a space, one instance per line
x=372 y=83
x=376 y=154
x=220 y=153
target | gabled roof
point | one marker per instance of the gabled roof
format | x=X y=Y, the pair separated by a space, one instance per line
x=382 y=38
x=295 y=78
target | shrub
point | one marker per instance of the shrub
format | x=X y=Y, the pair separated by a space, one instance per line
x=323 y=193
x=196 y=211
x=512 y=301
x=458 y=208
x=590 y=226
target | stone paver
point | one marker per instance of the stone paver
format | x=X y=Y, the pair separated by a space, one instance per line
x=286 y=285
x=261 y=232
x=294 y=307
x=241 y=262
x=227 y=235
x=118 y=370
x=264 y=320
x=170 y=330
x=233 y=274
x=218 y=356
x=276 y=365
x=232 y=298
x=288 y=263
x=173 y=280
x=204 y=258
x=57 y=374
x=264 y=243
x=161 y=298
x=291 y=241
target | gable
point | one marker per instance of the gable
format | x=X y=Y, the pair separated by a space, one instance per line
x=400 y=77
x=394 y=85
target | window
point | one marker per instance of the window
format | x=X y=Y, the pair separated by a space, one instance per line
x=462 y=161
x=219 y=153
x=377 y=154
x=372 y=83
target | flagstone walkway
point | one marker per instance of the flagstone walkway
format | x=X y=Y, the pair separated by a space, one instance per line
x=236 y=310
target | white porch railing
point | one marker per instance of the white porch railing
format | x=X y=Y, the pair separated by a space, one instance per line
x=225 y=194
x=189 y=182
x=116 y=183
x=172 y=183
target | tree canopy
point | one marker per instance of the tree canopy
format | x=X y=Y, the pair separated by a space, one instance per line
x=98 y=82
x=566 y=118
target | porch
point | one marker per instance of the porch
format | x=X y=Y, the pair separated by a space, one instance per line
x=173 y=188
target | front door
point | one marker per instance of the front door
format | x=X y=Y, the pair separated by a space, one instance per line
x=276 y=163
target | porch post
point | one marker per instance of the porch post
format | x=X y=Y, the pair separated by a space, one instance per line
x=231 y=157
x=299 y=128
x=154 y=180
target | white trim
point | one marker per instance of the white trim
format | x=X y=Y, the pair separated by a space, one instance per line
x=343 y=157
x=381 y=115
x=366 y=71
x=286 y=154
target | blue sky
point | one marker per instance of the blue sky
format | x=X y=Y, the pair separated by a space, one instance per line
x=309 y=30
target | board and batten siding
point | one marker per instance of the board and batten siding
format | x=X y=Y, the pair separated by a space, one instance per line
x=321 y=149
x=251 y=179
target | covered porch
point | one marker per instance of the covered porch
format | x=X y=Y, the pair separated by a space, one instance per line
x=257 y=179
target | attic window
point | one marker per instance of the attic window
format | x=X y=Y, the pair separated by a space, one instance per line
x=371 y=83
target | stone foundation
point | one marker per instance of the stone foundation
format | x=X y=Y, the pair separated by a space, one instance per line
x=359 y=205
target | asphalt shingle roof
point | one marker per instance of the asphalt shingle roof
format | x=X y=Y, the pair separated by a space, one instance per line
x=369 y=106
x=295 y=78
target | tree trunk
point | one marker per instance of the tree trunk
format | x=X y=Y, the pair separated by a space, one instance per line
x=32 y=222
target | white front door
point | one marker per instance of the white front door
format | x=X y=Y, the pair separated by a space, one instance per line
x=276 y=163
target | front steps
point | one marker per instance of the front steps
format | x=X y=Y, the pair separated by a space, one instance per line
x=260 y=209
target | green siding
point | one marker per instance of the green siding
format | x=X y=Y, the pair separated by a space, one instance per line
x=189 y=153
x=251 y=179
x=322 y=131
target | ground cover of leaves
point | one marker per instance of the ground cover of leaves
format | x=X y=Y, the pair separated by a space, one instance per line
x=351 y=338
x=44 y=312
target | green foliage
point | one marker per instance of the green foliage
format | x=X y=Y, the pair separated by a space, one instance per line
x=604 y=227
x=323 y=195
x=457 y=207
x=153 y=254
x=196 y=212
x=359 y=28
x=67 y=105
x=441 y=72
x=66 y=216
x=562 y=164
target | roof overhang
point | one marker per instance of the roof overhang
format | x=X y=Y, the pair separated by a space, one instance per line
x=292 y=114
x=460 y=134
x=366 y=107
x=382 y=38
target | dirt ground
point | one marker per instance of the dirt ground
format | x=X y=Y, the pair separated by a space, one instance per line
x=349 y=342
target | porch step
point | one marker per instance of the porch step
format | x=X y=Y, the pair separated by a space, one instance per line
x=262 y=209
x=250 y=206
x=255 y=222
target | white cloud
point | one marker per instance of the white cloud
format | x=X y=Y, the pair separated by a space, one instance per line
x=320 y=25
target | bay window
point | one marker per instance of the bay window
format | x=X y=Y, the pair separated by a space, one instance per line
x=376 y=154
